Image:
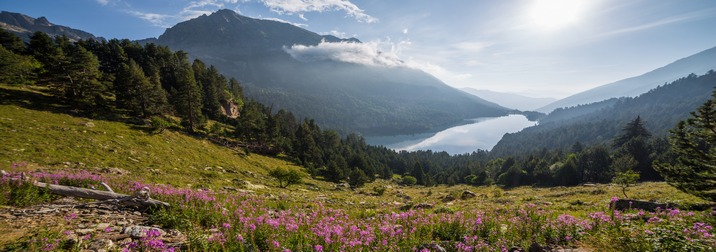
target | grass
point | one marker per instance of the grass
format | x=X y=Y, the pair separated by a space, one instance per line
x=61 y=145
x=48 y=139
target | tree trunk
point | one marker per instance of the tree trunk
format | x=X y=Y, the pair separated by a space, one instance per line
x=103 y=195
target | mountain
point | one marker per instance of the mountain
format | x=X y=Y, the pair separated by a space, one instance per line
x=510 y=100
x=600 y=122
x=338 y=93
x=698 y=64
x=24 y=26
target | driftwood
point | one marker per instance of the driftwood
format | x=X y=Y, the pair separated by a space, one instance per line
x=142 y=199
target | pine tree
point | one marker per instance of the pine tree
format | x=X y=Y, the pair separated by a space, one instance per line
x=632 y=130
x=634 y=141
x=694 y=143
x=81 y=76
x=136 y=92
x=187 y=100
x=16 y=68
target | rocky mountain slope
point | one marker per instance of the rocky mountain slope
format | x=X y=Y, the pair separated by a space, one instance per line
x=321 y=82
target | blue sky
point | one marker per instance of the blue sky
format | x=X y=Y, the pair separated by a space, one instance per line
x=542 y=48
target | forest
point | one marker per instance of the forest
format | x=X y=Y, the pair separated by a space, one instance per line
x=153 y=85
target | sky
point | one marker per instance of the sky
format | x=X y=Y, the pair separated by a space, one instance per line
x=539 y=48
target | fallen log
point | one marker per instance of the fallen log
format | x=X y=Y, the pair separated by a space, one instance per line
x=141 y=200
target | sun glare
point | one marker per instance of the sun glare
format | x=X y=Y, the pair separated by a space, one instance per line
x=555 y=14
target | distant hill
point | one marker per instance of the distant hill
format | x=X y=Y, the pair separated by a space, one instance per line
x=372 y=99
x=24 y=26
x=697 y=64
x=600 y=122
x=510 y=100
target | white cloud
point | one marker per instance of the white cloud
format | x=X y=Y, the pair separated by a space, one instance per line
x=303 y=6
x=359 y=53
x=103 y=2
x=153 y=18
x=374 y=53
x=405 y=31
x=284 y=21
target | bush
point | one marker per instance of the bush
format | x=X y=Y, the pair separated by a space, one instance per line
x=286 y=177
x=408 y=180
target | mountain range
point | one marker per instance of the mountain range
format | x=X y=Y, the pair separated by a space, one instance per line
x=324 y=77
x=698 y=63
x=598 y=123
x=511 y=100
x=24 y=26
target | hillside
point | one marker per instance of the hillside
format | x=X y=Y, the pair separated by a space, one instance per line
x=598 y=123
x=37 y=130
x=24 y=26
x=698 y=63
x=510 y=100
x=372 y=99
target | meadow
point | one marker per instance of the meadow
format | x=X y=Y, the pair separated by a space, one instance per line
x=311 y=218
x=224 y=200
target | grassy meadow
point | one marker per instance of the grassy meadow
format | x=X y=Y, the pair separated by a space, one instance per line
x=218 y=211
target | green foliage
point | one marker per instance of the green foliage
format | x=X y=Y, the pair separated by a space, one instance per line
x=16 y=68
x=694 y=142
x=379 y=190
x=187 y=99
x=357 y=178
x=408 y=180
x=134 y=91
x=286 y=177
x=625 y=179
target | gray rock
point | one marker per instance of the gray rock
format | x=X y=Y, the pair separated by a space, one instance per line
x=140 y=231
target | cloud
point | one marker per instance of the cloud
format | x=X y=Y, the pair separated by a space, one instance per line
x=374 y=53
x=665 y=21
x=303 y=6
x=284 y=21
x=153 y=18
x=103 y=2
x=359 y=53
x=191 y=10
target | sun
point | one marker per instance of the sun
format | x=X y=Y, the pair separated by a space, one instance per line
x=555 y=14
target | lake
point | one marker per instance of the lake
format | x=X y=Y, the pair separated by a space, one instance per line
x=483 y=133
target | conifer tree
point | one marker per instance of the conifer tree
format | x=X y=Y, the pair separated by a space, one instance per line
x=137 y=93
x=81 y=76
x=187 y=100
x=694 y=142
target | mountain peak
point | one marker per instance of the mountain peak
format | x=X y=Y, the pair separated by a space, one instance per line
x=42 y=21
x=24 y=26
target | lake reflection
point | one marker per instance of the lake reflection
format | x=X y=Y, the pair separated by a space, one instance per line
x=483 y=134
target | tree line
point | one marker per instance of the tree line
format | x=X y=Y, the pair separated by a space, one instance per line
x=153 y=83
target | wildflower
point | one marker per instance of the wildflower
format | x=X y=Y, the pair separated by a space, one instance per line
x=226 y=225
x=71 y=216
x=318 y=248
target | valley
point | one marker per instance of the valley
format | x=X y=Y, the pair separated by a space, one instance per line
x=259 y=127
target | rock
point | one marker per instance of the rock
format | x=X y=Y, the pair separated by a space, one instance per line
x=467 y=195
x=625 y=204
x=423 y=206
x=7 y=216
x=85 y=231
x=88 y=124
x=434 y=247
x=140 y=231
x=102 y=226
x=448 y=198
x=101 y=245
x=230 y=109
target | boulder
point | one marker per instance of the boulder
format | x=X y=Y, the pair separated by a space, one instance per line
x=626 y=204
x=467 y=195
